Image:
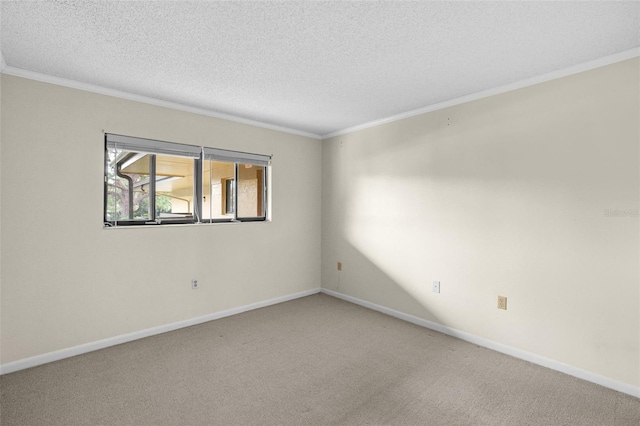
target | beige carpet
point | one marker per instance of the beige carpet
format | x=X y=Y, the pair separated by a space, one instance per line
x=316 y=360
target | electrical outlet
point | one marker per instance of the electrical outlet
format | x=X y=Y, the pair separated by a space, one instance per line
x=339 y=266
x=194 y=284
x=436 y=286
x=502 y=302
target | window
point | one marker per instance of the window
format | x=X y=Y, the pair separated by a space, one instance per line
x=250 y=190
x=150 y=182
x=236 y=185
x=228 y=197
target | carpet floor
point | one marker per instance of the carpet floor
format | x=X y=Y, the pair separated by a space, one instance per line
x=316 y=360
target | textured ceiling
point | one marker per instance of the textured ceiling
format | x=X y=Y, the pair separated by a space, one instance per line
x=316 y=67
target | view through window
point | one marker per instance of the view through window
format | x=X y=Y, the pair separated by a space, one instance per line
x=150 y=182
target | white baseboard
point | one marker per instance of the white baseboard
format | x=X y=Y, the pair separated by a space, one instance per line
x=112 y=341
x=480 y=341
x=498 y=347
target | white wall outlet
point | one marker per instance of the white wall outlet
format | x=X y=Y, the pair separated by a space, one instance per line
x=194 y=284
x=436 y=286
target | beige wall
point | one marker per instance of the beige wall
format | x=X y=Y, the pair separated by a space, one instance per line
x=67 y=281
x=501 y=196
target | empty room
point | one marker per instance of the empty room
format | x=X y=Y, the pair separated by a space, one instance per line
x=319 y=213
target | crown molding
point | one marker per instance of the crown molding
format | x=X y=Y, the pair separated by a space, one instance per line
x=585 y=66
x=45 y=78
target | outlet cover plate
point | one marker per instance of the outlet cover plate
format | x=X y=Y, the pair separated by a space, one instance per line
x=502 y=302
x=436 y=286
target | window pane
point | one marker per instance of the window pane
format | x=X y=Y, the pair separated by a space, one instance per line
x=136 y=166
x=218 y=178
x=113 y=202
x=250 y=190
x=127 y=186
x=229 y=196
x=174 y=187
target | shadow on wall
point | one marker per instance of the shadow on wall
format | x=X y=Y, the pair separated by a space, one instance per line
x=363 y=272
x=489 y=203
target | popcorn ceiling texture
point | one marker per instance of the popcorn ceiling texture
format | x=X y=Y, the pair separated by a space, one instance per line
x=317 y=67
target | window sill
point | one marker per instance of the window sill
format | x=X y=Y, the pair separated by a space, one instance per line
x=183 y=225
